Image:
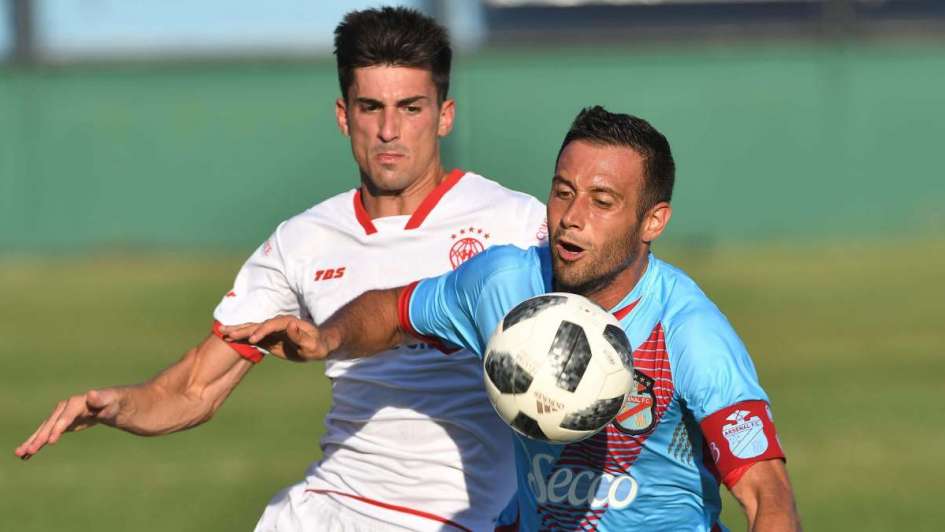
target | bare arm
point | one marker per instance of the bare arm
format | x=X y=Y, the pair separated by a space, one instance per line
x=765 y=493
x=366 y=325
x=184 y=395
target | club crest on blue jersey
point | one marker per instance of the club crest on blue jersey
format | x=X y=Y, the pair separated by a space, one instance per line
x=745 y=435
x=638 y=414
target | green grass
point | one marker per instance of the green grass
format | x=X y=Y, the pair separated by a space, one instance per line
x=847 y=339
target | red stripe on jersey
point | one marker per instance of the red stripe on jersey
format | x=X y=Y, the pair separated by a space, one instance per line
x=613 y=450
x=362 y=215
x=429 y=202
x=403 y=316
x=622 y=313
x=394 y=507
x=245 y=350
x=741 y=435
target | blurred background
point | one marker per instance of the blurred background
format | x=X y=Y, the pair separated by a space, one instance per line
x=147 y=148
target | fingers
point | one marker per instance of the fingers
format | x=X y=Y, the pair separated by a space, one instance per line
x=278 y=324
x=28 y=447
x=243 y=331
x=71 y=415
x=58 y=422
x=306 y=336
x=304 y=342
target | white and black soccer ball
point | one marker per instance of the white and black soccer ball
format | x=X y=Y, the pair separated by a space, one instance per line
x=558 y=368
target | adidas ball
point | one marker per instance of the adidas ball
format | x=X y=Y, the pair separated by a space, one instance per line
x=558 y=368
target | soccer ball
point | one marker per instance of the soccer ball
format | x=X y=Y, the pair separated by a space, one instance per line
x=558 y=368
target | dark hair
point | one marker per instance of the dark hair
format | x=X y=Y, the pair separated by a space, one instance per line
x=596 y=125
x=394 y=36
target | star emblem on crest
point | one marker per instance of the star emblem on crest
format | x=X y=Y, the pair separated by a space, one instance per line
x=470 y=231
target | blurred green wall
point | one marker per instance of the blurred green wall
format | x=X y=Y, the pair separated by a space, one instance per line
x=790 y=141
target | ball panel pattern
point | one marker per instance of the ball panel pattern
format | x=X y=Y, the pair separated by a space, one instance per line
x=618 y=340
x=505 y=374
x=528 y=426
x=595 y=416
x=569 y=355
x=529 y=308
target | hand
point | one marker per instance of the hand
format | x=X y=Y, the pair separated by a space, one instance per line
x=72 y=415
x=286 y=337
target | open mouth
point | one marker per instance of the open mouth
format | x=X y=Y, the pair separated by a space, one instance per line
x=568 y=251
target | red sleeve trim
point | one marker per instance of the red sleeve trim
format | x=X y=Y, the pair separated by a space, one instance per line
x=362 y=215
x=403 y=316
x=429 y=202
x=739 y=436
x=403 y=309
x=245 y=350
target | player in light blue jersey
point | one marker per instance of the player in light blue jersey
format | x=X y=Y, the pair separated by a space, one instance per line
x=698 y=417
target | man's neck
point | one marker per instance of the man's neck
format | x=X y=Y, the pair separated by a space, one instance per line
x=624 y=283
x=379 y=203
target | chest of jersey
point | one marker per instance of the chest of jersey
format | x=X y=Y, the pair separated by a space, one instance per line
x=350 y=263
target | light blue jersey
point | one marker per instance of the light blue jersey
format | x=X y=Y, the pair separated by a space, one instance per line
x=697 y=417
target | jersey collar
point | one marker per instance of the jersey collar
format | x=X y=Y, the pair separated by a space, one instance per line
x=629 y=302
x=416 y=219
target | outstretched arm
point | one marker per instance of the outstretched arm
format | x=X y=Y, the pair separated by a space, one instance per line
x=765 y=493
x=184 y=395
x=366 y=325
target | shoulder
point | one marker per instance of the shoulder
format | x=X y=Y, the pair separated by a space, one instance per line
x=494 y=194
x=333 y=215
x=690 y=317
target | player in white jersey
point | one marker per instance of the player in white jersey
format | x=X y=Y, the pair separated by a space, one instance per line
x=410 y=432
x=405 y=448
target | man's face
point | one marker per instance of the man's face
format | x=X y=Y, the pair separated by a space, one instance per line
x=592 y=215
x=392 y=117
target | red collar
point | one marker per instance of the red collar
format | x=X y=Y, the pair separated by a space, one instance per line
x=622 y=313
x=419 y=215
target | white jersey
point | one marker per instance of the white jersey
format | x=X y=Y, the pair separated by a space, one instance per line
x=410 y=431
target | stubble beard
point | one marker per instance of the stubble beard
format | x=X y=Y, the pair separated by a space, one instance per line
x=615 y=257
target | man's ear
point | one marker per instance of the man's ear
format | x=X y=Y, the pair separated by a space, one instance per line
x=447 y=114
x=655 y=221
x=341 y=116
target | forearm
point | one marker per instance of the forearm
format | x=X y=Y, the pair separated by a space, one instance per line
x=366 y=325
x=180 y=397
x=765 y=493
x=774 y=516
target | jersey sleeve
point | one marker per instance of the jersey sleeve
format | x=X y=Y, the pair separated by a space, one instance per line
x=535 y=230
x=716 y=379
x=262 y=290
x=464 y=306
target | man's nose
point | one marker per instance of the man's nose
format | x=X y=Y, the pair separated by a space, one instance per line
x=575 y=213
x=390 y=125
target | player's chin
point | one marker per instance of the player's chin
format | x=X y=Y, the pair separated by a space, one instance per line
x=568 y=275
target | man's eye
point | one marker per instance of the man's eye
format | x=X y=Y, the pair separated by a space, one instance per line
x=368 y=107
x=603 y=204
x=563 y=193
x=413 y=109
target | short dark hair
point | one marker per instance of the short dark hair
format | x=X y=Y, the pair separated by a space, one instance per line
x=395 y=36
x=597 y=126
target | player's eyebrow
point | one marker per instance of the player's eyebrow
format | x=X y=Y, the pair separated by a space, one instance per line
x=400 y=103
x=369 y=101
x=411 y=100
x=601 y=189
x=596 y=189
x=558 y=180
